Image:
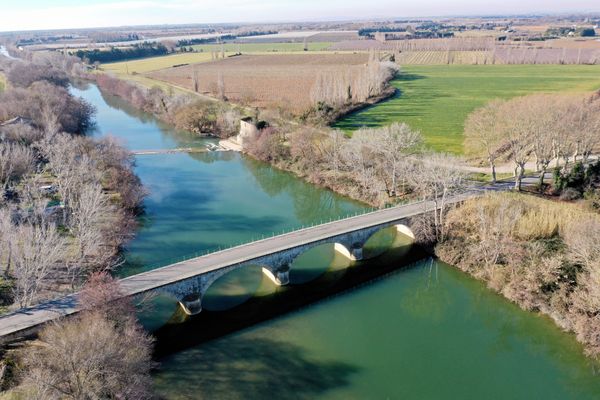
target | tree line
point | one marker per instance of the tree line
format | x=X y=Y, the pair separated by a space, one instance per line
x=378 y=166
x=336 y=92
x=67 y=204
x=68 y=201
x=543 y=129
x=113 y=54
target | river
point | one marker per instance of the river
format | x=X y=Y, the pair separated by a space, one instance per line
x=424 y=332
x=5 y=53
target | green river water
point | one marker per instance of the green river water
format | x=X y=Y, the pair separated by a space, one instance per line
x=422 y=331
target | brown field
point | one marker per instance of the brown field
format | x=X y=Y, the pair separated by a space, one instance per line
x=508 y=55
x=474 y=43
x=533 y=28
x=443 y=57
x=593 y=43
x=264 y=80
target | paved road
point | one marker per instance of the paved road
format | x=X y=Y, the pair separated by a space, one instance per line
x=14 y=323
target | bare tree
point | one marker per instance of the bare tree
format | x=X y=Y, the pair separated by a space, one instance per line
x=357 y=159
x=15 y=162
x=88 y=357
x=89 y=222
x=333 y=149
x=7 y=238
x=543 y=119
x=517 y=130
x=435 y=177
x=483 y=136
x=391 y=145
x=36 y=249
x=582 y=116
x=221 y=86
x=102 y=294
x=195 y=79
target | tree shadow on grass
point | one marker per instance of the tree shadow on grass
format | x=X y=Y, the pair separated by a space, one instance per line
x=384 y=116
x=250 y=368
x=405 y=77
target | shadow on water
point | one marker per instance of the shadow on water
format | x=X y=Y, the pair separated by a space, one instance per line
x=261 y=367
x=182 y=332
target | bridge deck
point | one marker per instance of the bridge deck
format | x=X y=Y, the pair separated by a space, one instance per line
x=137 y=284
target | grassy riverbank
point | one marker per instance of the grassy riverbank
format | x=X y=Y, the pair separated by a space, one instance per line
x=437 y=99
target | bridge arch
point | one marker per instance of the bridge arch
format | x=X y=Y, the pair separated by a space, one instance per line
x=318 y=260
x=233 y=288
x=385 y=238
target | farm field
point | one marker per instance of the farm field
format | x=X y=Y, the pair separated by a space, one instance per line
x=144 y=65
x=437 y=99
x=263 y=47
x=435 y=57
x=275 y=80
x=2 y=82
x=591 y=43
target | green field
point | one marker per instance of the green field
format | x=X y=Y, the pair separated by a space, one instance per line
x=144 y=65
x=2 y=82
x=263 y=47
x=437 y=99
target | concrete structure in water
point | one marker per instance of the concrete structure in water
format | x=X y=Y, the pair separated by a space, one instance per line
x=188 y=281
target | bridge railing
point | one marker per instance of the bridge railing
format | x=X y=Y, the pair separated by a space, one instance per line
x=359 y=213
x=292 y=229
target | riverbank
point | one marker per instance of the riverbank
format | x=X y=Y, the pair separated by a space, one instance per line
x=540 y=254
x=221 y=120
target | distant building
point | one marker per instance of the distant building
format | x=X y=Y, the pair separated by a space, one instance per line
x=248 y=130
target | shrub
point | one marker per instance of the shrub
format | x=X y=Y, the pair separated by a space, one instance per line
x=570 y=194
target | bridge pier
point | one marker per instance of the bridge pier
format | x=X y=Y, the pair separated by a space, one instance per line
x=280 y=277
x=191 y=304
x=357 y=252
x=353 y=252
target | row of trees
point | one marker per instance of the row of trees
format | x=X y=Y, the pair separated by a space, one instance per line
x=378 y=166
x=203 y=117
x=539 y=129
x=69 y=200
x=354 y=86
x=114 y=54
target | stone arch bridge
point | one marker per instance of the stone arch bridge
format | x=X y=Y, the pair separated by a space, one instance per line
x=187 y=281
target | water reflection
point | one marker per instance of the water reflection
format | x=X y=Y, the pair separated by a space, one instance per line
x=262 y=368
x=309 y=202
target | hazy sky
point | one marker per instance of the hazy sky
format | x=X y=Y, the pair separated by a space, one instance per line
x=45 y=14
